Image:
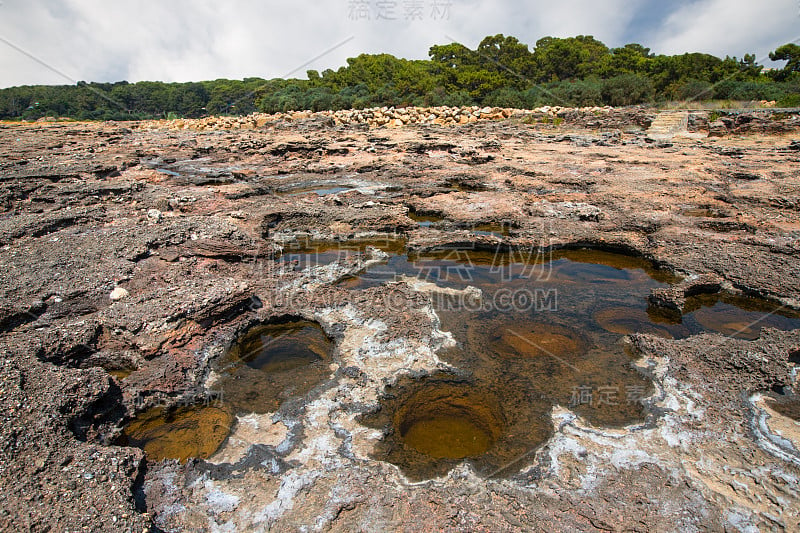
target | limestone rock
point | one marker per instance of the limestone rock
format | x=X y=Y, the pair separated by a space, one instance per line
x=118 y=294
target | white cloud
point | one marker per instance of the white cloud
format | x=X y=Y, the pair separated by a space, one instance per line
x=183 y=40
x=730 y=27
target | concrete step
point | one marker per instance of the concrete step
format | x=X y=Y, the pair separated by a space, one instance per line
x=668 y=124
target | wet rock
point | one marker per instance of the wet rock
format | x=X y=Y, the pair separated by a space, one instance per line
x=674 y=297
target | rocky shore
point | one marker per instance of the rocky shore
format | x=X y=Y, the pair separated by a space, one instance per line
x=135 y=254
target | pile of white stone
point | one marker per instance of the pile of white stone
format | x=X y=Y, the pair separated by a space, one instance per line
x=397 y=117
x=389 y=117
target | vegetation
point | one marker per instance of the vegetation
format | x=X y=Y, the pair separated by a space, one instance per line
x=501 y=71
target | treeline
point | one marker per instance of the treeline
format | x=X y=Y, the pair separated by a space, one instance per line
x=501 y=71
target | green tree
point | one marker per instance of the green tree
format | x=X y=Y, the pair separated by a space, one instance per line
x=630 y=59
x=188 y=99
x=670 y=73
x=500 y=71
x=377 y=71
x=570 y=58
x=509 y=58
x=479 y=72
x=451 y=56
x=791 y=54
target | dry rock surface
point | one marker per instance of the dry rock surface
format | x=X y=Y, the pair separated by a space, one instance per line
x=135 y=254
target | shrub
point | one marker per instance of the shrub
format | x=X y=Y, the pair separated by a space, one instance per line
x=627 y=89
x=790 y=100
x=505 y=98
x=440 y=97
x=695 y=90
x=318 y=99
x=576 y=94
x=746 y=90
x=535 y=97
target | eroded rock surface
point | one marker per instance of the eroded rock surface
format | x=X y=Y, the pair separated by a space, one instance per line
x=134 y=257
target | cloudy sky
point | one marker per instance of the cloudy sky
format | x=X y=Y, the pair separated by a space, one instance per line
x=62 y=41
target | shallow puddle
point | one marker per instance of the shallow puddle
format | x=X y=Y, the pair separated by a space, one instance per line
x=190 y=431
x=269 y=365
x=548 y=331
x=446 y=421
x=308 y=253
x=168 y=172
x=629 y=320
x=435 y=423
x=425 y=220
x=536 y=339
x=741 y=317
x=492 y=230
x=120 y=374
x=448 y=437
x=319 y=191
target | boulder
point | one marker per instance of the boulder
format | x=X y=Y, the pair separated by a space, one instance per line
x=717 y=129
